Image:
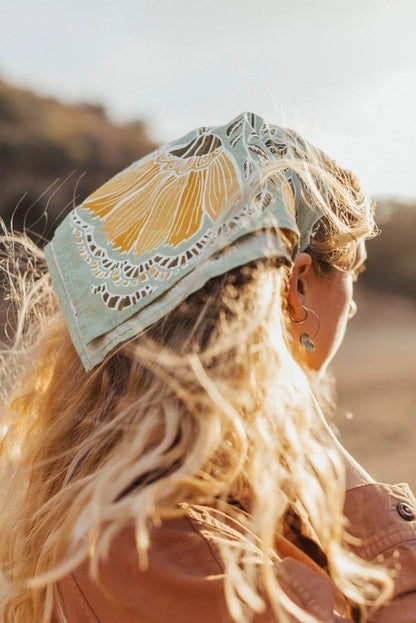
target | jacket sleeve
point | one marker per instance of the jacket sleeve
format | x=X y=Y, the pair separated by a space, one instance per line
x=383 y=517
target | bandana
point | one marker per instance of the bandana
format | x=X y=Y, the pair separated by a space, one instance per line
x=160 y=229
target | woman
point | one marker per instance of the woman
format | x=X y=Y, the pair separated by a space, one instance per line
x=164 y=455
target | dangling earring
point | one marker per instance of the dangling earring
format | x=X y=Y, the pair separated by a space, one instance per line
x=353 y=310
x=305 y=339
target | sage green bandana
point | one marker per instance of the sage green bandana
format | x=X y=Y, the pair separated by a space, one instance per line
x=160 y=229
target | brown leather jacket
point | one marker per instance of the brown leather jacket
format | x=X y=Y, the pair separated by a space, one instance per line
x=184 y=580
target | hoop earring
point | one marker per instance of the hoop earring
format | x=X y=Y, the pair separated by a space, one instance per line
x=305 y=339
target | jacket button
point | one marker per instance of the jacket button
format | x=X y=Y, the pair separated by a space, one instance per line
x=405 y=511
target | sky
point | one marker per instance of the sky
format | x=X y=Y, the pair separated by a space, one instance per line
x=341 y=72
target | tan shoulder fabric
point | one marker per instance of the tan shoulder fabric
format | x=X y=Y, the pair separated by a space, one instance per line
x=383 y=517
x=184 y=581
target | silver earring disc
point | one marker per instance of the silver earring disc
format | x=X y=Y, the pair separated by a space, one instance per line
x=307 y=342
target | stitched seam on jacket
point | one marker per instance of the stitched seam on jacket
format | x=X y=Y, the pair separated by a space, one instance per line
x=379 y=543
x=88 y=607
x=214 y=552
x=300 y=593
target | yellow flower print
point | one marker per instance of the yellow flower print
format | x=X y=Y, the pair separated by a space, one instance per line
x=164 y=200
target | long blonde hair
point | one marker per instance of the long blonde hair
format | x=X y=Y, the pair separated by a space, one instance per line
x=206 y=405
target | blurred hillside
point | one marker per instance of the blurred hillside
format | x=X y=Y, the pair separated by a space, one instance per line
x=53 y=155
x=391 y=264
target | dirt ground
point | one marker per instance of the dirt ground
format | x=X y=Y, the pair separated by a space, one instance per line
x=376 y=381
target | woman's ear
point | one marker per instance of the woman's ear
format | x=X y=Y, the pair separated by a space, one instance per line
x=296 y=291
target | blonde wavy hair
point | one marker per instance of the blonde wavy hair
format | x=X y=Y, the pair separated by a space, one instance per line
x=205 y=406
